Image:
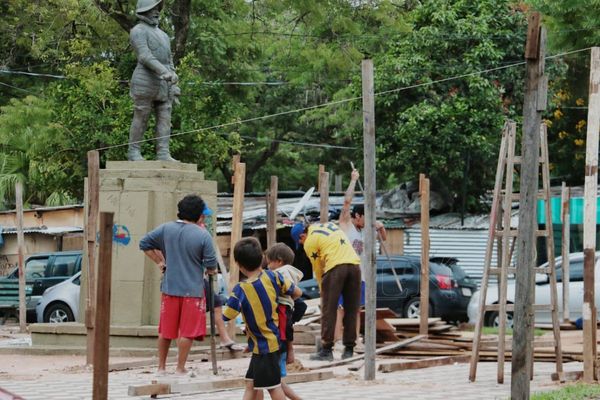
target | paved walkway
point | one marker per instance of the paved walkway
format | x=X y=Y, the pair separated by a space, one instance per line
x=438 y=383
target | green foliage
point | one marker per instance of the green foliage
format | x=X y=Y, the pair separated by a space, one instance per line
x=578 y=391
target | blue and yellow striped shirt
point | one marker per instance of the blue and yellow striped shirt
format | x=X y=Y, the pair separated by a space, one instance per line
x=256 y=299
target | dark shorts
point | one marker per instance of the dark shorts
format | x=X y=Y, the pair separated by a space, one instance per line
x=362 y=296
x=217 y=299
x=265 y=370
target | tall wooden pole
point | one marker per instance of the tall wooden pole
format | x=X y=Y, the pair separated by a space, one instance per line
x=102 y=322
x=324 y=196
x=534 y=104
x=589 y=220
x=368 y=95
x=237 y=223
x=565 y=219
x=272 y=213
x=93 y=199
x=424 y=283
x=21 y=258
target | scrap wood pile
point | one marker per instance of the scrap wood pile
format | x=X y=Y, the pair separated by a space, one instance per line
x=443 y=339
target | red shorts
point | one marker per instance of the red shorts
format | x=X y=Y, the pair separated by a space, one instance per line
x=182 y=317
x=281 y=311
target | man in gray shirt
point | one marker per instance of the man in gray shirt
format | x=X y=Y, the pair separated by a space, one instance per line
x=182 y=249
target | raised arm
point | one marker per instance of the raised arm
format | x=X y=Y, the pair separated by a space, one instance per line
x=345 y=214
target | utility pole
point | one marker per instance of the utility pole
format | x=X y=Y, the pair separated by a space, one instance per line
x=21 y=258
x=534 y=103
x=368 y=95
x=93 y=201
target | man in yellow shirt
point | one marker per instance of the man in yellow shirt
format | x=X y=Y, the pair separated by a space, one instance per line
x=336 y=269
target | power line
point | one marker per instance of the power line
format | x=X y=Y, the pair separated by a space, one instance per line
x=347 y=100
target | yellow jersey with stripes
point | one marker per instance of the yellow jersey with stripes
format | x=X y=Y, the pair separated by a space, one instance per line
x=327 y=246
x=256 y=299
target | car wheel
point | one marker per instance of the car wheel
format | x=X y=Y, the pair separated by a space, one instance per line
x=494 y=319
x=58 y=312
x=412 y=309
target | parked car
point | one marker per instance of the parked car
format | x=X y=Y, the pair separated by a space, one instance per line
x=60 y=303
x=542 y=293
x=42 y=271
x=447 y=299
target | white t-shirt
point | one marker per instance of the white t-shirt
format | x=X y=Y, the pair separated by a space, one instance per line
x=358 y=243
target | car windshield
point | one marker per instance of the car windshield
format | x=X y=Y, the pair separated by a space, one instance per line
x=458 y=272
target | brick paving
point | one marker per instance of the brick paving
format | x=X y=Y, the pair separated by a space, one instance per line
x=437 y=383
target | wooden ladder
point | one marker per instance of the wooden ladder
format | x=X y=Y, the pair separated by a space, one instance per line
x=501 y=231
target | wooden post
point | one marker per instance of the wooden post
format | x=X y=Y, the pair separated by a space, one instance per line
x=534 y=104
x=102 y=322
x=369 y=228
x=237 y=224
x=321 y=170
x=337 y=184
x=589 y=220
x=21 y=257
x=272 y=213
x=565 y=218
x=324 y=196
x=93 y=199
x=424 y=298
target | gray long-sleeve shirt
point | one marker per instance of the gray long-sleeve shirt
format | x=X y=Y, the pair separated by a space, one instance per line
x=187 y=249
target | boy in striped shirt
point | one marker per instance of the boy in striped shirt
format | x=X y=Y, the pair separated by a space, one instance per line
x=256 y=299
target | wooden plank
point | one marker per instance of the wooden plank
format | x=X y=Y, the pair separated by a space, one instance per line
x=424 y=290
x=380 y=350
x=526 y=241
x=91 y=227
x=565 y=219
x=237 y=225
x=402 y=322
x=589 y=219
x=424 y=363
x=567 y=376
x=369 y=256
x=102 y=322
x=221 y=384
x=21 y=257
x=324 y=197
x=272 y=212
x=308 y=320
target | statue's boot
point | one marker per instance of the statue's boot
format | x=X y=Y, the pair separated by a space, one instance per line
x=135 y=135
x=162 y=149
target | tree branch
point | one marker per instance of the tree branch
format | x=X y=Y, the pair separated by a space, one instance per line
x=124 y=20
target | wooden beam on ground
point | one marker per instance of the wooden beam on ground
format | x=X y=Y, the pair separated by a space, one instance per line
x=237 y=224
x=91 y=226
x=272 y=213
x=522 y=355
x=424 y=363
x=424 y=289
x=567 y=376
x=565 y=219
x=369 y=258
x=589 y=220
x=102 y=322
x=21 y=257
x=221 y=384
x=324 y=196
x=380 y=350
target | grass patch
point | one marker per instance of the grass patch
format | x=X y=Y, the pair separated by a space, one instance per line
x=579 y=391
x=489 y=330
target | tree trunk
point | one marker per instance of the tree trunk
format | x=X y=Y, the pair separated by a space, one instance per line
x=180 y=17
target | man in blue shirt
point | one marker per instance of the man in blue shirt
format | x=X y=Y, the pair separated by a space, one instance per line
x=182 y=250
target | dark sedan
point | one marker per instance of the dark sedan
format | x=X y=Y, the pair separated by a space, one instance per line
x=449 y=295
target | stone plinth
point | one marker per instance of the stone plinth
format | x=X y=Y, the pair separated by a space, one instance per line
x=142 y=195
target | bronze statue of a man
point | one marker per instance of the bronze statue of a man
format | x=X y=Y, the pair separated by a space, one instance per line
x=153 y=83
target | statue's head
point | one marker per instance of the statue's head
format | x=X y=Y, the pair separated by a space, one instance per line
x=150 y=9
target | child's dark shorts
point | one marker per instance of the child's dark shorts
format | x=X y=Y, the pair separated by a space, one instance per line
x=264 y=370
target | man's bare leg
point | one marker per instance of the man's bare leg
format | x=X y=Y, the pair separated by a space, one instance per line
x=183 y=345
x=339 y=326
x=163 y=351
x=223 y=335
x=249 y=392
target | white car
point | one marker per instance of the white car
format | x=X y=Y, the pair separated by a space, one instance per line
x=60 y=303
x=542 y=293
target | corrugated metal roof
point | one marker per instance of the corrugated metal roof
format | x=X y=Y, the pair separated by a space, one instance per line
x=55 y=230
x=468 y=246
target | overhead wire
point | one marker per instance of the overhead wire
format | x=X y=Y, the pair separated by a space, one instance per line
x=336 y=102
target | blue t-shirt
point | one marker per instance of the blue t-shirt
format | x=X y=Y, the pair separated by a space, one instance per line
x=188 y=249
